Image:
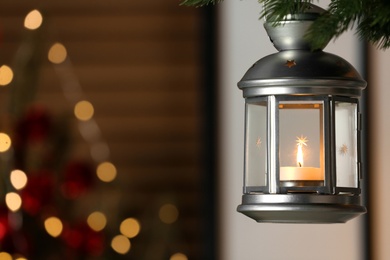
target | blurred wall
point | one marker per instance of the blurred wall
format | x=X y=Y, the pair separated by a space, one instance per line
x=379 y=155
x=242 y=42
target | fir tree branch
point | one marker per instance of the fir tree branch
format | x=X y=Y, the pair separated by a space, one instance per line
x=341 y=16
x=371 y=16
x=199 y=3
x=277 y=10
x=374 y=24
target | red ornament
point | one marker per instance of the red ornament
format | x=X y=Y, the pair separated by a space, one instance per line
x=34 y=126
x=78 y=178
x=38 y=192
x=84 y=240
x=4 y=223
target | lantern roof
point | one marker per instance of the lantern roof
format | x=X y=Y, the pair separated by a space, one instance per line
x=296 y=68
x=302 y=72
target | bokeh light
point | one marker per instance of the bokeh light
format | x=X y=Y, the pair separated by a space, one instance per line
x=57 y=53
x=121 y=244
x=6 y=75
x=106 y=171
x=168 y=213
x=97 y=221
x=83 y=110
x=130 y=227
x=18 y=179
x=19 y=257
x=5 y=256
x=178 y=256
x=13 y=201
x=5 y=142
x=53 y=226
x=33 y=20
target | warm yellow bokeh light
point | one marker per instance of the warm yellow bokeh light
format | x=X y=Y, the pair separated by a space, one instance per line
x=120 y=244
x=178 y=256
x=83 y=110
x=168 y=213
x=13 y=201
x=6 y=75
x=106 y=171
x=57 y=53
x=18 y=179
x=53 y=226
x=19 y=258
x=5 y=142
x=130 y=227
x=97 y=221
x=5 y=256
x=33 y=20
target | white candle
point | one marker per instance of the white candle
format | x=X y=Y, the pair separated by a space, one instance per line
x=300 y=174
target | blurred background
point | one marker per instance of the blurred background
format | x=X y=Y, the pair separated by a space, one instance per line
x=108 y=112
x=122 y=129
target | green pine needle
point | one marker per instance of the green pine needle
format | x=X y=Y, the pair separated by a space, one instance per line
x=374 y=23
x=371 y=17
x=340 y=16
x=276 y=10
x=199 y=3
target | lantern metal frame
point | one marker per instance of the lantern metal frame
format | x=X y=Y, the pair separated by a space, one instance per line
x=296 y=73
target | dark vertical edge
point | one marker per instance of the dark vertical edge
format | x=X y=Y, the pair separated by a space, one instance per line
x=365 y=145
x=209 y=111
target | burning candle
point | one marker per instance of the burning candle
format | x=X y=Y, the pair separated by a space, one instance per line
x=300 y=173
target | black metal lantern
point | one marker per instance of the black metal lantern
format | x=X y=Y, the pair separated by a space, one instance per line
x=302 y=138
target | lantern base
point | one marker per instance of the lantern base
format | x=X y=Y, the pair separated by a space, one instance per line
x=301 y=208
x=294 y=183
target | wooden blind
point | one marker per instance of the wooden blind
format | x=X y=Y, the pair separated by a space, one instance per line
x=138 y=63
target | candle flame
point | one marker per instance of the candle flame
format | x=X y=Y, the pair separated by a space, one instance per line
x=300 y=156
x=300 y=142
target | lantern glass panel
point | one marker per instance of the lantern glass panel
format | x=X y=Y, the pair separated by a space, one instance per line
x=301 y=138
x=256 y=144
x=346 y=144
